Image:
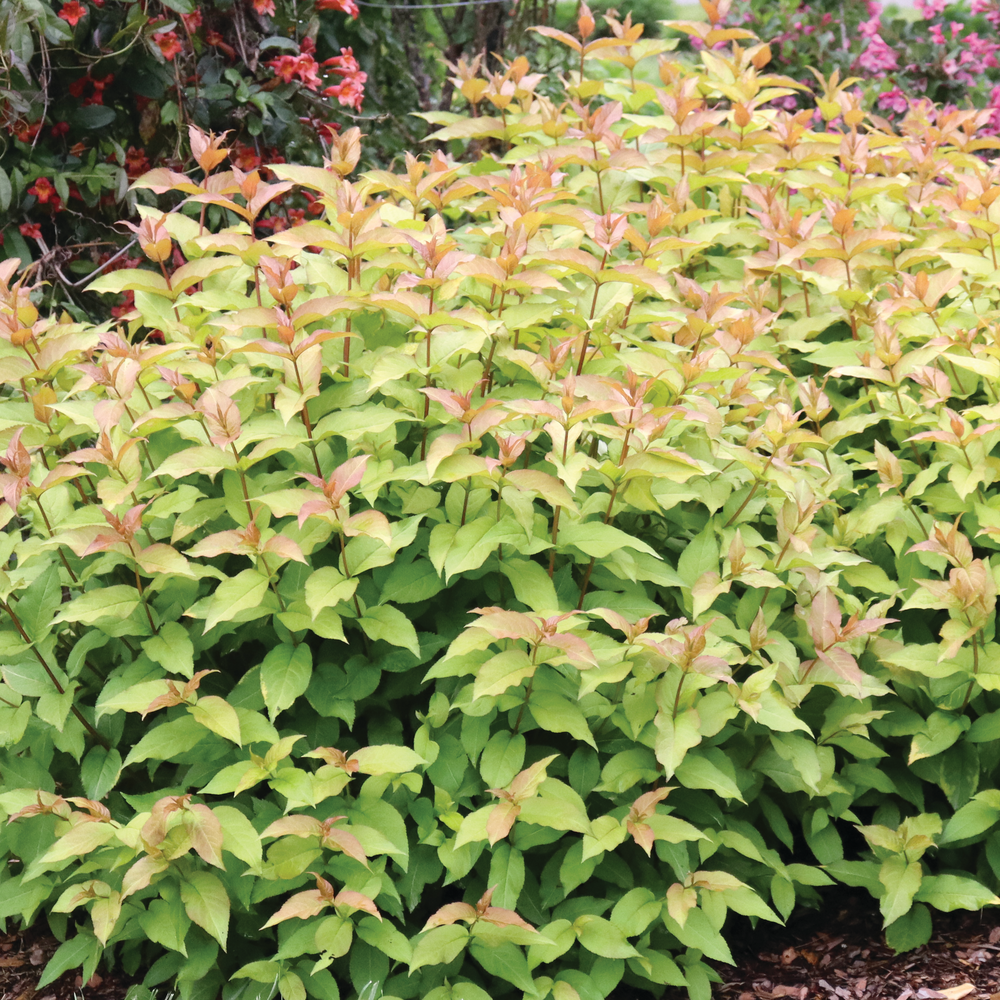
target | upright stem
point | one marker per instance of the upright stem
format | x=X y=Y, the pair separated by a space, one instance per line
x=52 y=677
x=62 y=555
x=142 y=595
x=270 y=580
x=243 y=481
x=527 y=693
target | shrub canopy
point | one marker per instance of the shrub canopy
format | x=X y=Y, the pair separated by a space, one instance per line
x=380 y=596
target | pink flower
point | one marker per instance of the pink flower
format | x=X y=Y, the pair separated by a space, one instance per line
x=349 y=7
x=869 y=29
x=931 y=8
x=937 y=34
x=893 y=100
x=878 y=58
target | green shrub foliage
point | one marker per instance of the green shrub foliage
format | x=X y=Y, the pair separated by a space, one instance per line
x=516 y=577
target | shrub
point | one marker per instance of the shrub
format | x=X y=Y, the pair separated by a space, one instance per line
x=946 y=54
x=382 y=594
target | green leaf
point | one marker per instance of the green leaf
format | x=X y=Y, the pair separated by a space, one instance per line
x=80 y=950
x=207 y=903
x=557 y=714
x=506 y=962
x=115 y=603
x=386 y=938
x=167 y=740
x=99 y=771
x=239 y=836
x=901 y=881
x=954 y=892
x=912 y=930
x=165 y=921
x=675 y=737
x=531 y=583
x=699 y=933
x=635 y=911
x=389 y=623
x=219 y=716
x=600 y=540
x=602 y=937
x=243 y=591
x=506 y=875
x=387 y=759
x=502 y=758
x=438 y=946
x=22 y=899
x=974 y=818
x=699 y=555
x=172 y=648
x=284 y=676
x=94 y=116
x=711 y=769
x=556 y=806
x=326 y=588
x=411 y=583
x=38 y=603
x=501 y=672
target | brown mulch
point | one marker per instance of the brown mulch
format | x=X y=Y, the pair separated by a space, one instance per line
x=839 y=953
x=836 y=953
x=22 y=958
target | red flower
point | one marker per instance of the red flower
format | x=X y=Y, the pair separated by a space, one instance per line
x=351 y=90
x=244 y=157
x=169 y=44
x=76 y=88
x=43 y=190
x=192 y=21
x=25 y=132
x=73 y=12
x=216 y=40
x=31 y=229
x=349 y=7
x=136 y=162
x=60 y=129
x=264 y=7
x=304 y=67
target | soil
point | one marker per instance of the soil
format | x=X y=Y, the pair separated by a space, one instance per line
x=22 y=958
x=837 y=953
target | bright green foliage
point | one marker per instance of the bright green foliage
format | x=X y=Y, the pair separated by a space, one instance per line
x=487 y=587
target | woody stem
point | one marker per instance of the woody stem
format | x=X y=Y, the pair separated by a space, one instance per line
x=270 y=580
x=243 y=480
x=52 y=677
x=62 y=555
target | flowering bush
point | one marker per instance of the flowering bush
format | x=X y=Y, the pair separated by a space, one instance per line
x=96 y=92
x=948 y=55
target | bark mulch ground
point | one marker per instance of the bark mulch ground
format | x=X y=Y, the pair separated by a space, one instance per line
x=22 y=958
x=836 y=953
